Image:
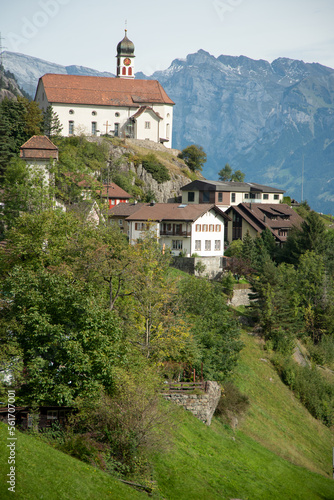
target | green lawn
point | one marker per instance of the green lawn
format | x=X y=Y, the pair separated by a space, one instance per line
x=45 y=473
x=276 y=419
x=217 y=463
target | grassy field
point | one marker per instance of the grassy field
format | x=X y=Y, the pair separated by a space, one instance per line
x=217 y=463
x=45 y=473
x=276 y=419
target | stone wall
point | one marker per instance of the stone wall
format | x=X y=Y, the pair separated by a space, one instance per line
x=187 y=264
x=202 y=406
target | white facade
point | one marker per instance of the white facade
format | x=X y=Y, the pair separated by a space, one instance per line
x=204 y=237
x=93 y=120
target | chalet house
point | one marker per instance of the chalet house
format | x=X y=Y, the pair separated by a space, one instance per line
x=184 y=229
x=225 y=194
x=256 y=217
x=39 y=153
x=121 y=106
x=110 y=193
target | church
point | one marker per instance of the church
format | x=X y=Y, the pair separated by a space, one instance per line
x=120 y=107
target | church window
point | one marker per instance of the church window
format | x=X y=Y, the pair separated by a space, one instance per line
x=168 y=115
x=94 y=113
x=116 y=129
x=117 y=114
x=70 y=127
x=147 y=125
x=124 y=71
x=94 y=128
x=71 y=111
x=167 y=131
x=130 y=71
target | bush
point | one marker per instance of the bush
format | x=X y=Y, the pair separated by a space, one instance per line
x=158 y=171
x=232 y=403
x=310 y=387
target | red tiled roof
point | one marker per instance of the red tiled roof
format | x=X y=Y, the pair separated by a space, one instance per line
x=103 y=91
x=114 y=191
x=39 y=146
x=174 y=211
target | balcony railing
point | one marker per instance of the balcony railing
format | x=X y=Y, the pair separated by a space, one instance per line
x=164 y=232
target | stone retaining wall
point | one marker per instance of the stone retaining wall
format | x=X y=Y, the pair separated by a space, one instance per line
x=202 y=406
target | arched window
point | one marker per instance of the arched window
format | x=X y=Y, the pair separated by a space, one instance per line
x=124 y=70
x=130 y=71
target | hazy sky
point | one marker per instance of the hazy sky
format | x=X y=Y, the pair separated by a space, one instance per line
x=86 y=32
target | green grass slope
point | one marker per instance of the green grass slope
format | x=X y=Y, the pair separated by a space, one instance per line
x=211 y=463
x=45 y=473
x=276 y=419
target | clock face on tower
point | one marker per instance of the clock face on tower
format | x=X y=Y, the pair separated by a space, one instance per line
x=127 y=61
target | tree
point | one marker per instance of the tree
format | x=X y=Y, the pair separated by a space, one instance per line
x=194 y=157
x=19 y=120
x=69 y=342
x=25 y=190
x=226 y=174
x=238 y=176
x=51 y=123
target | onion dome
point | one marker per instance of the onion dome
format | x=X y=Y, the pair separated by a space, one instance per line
x=125 y=47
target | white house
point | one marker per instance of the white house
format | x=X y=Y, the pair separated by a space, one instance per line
x=186 y=229
x=120 y=106
x=226 y=194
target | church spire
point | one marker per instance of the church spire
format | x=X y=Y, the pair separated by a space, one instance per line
x=125 y=58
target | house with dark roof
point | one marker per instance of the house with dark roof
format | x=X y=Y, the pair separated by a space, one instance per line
x=256 y=217
x=183 y=229
x=121 y=106
x=119 y=213
x=224 y=194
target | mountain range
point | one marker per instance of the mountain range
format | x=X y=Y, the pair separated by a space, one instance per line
x=273 y=121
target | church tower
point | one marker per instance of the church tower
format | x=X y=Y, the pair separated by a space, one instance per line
x=125 y=58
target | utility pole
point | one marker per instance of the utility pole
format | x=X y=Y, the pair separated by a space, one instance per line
x=303 y=180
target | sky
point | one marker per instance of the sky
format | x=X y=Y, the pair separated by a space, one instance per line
x=86 y=32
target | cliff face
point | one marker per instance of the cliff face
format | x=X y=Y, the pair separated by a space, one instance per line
x=166 y=192
x=8 y=86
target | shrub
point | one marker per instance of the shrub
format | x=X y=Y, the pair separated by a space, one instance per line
x=310 y=387
x=232 y=403
x=158 y=171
